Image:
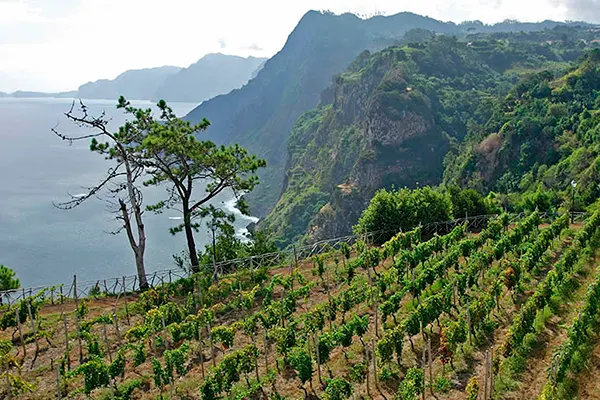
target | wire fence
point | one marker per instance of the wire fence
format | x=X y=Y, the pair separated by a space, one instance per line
x=128 y=284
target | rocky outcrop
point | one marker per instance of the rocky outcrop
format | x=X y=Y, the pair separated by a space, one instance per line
x=377 y=132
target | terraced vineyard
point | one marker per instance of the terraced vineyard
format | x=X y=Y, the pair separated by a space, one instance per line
x=509 y=312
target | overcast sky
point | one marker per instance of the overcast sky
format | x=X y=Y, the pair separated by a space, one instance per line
x=54 y=45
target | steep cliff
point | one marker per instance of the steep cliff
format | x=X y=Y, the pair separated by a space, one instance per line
x=261 y=114
x=389 y=121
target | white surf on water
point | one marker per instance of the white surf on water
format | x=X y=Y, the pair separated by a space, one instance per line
x=230 y=206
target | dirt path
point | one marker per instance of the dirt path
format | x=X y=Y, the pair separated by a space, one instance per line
x=554 y=334
x=589 y=384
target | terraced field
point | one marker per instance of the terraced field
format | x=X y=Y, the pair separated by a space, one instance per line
x=506 y=313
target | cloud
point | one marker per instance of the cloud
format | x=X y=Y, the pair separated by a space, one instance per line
x=588 y=10
x=254 y=47
x=15 y=11
x=64 y=43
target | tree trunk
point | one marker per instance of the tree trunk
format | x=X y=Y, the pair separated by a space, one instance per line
x=189 y=236
x=140 y=247
x=138 y=250
x=215 y=276
x=141 y=270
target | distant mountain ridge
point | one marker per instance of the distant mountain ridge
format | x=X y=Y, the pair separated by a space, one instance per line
x=137 y=84
x=260 y=115
x=212 y=75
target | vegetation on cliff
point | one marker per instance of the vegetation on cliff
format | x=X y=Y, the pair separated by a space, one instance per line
x=392 y=117
x=540 y=137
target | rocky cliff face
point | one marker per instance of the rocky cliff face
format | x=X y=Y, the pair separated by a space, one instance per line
x=389 y=121
x=260 y=115
x=377 y=132
x=400 y=146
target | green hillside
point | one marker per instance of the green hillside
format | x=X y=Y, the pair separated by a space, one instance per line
x=392 y=117
x=260 y=115
x=540 y=137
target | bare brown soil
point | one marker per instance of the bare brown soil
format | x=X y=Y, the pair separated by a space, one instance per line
x=43 y=373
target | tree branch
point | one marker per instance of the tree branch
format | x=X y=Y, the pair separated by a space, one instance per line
x=92 y=191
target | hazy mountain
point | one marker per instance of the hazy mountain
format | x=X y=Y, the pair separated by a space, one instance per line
x=257 y=70
x=136 y=84
x=212 y=75
x=30 y=94
x=260 y=115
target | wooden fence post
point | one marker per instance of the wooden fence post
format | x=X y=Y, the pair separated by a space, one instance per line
x=374 y=358
x=201 y=350
x=164 y=329
x=256 y=364
x=430 y=366
x=368 y=368
x=107 y=344
x=266 y=345
x=316 y=340
x=34 y=330
x=292 y=261
x=116 y=319
x=454 y=294
x=64 y=317
x=125 y=301
x=21 y=338
x=485 y=378
x=58 y=393
x=376 y=315
x=75 y=295
x=423 y=363
x=116 y=323
x=469 y=325
x=8 y=391
x=212 y=347
x=492 y=372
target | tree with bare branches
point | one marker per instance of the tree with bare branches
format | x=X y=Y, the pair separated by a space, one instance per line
x=176 y=158
x=119 y=188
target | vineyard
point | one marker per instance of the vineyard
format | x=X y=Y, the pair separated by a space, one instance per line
x=509 y=311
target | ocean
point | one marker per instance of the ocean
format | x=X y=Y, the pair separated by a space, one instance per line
x=45 y=245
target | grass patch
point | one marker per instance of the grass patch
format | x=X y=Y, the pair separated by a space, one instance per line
x=442 y=384
x=510 y=371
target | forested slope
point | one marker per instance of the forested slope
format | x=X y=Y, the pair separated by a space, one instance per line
x=390 y=119
x=260 y=115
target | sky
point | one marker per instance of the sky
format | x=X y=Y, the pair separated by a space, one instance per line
x=57 y=45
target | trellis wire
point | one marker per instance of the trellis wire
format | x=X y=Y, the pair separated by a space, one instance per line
x=128 y=284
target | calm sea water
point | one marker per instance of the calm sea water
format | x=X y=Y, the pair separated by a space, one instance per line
x=47 y=246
